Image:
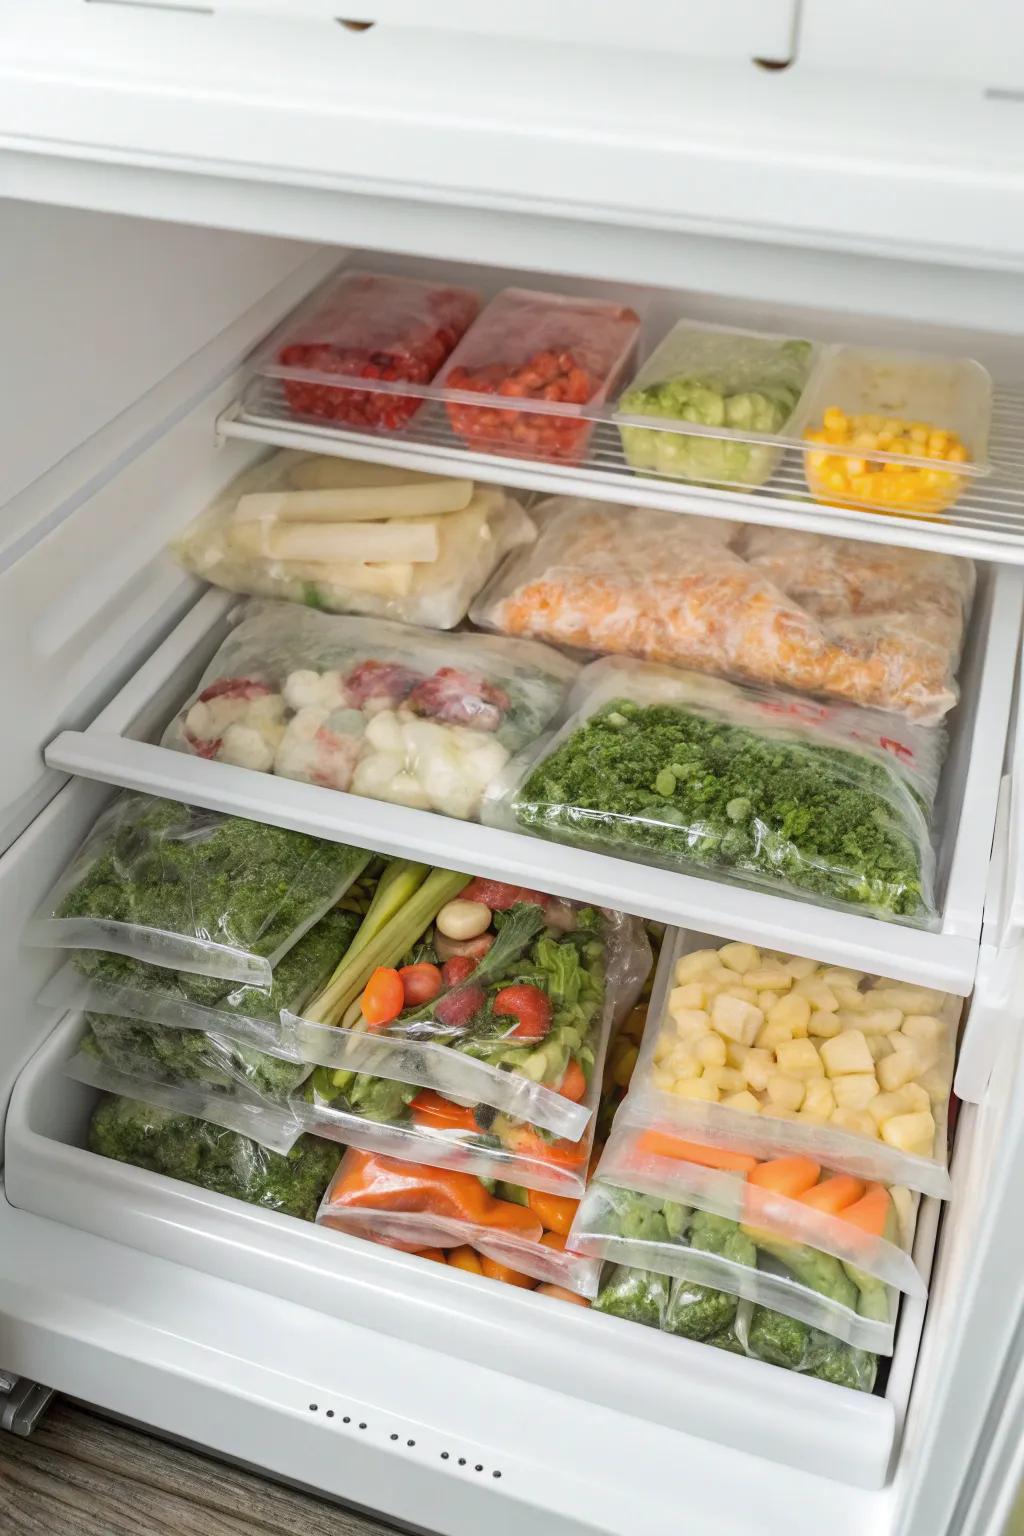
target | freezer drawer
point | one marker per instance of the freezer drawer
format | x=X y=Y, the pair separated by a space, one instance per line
x=118 y=749
x=655 y=1379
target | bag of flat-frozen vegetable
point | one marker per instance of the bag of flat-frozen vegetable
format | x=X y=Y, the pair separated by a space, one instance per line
x=828 y=802
x=519 y=1233
x=767 y=1054
x=347 y=537
x=407 y=715
x=226 y=1162
x=715 y=1317
x=213 y=898
x=470 y=1031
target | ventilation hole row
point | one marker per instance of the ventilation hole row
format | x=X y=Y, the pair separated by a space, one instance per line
x=445 y=1455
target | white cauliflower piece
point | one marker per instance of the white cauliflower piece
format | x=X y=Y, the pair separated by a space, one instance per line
x=314 y=751
x=247 y=747
x=376 y=773
x=384 y=732
x=332 y=690
x=302 y=690
x=407 y=790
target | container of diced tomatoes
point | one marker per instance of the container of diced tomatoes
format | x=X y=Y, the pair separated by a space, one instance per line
x=367 y=326
x=557 y=355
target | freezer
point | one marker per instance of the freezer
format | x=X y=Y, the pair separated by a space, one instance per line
x=195 y=181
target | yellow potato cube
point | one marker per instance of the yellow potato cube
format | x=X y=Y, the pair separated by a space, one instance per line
x=905 y=1205
x=876 y=1021
x=744 y=1101
x=914 y=1133
x=895 y=1070
x=770 y=976
x=924 y=1026
x=857 y=1120
x=795 y=1012
x=725 y=1079
x=799 y=968
x=692 y=995
x=819 y=1099
x=710 y=1051
x=735 y=1053
x=691 y=1021
x=838 y=976
x=739 y=990
x=766 y=1000
x=935 y=1083
x=663 y=1079
x=855 y=1091
x=879 y=1046
x=773 y=1034
x=823 y=1026
x=799 y=1058
x=908 y=999
x=758 y=1066
x=784 y=1091
x=850 y=1000
x=916 y=1097
x=695 y=1088
x=885 y=1105
x=848 y=1052
x=740 y=957
x=689 y=967
x=685 y=1063
x=736 y=1019
x=817 y=994
x=664 y=1045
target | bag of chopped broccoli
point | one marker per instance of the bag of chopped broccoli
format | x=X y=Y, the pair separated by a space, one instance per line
x=233 y=1108
x=164 y=1140
x=829 y=803
x=715 y=1317
x=214 y=898
x=247 y=1015
x=648 y=1232
x=409 y=1206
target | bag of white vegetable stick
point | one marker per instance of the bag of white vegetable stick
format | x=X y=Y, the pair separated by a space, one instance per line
x=520 y=1027
x=650 y=1232
x=348 y=537
x=867 y=1227
x=272 y=1125
x=767 y=1054
x=399 y=714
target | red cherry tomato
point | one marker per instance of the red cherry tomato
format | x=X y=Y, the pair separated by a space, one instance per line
x=457 y=969
x=420 y=983
x=383 y=998
x=529 y=1006
x=459 y=1006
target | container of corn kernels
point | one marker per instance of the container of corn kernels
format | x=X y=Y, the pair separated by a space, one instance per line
x=899 y=432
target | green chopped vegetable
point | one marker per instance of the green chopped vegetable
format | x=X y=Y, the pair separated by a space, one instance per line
x=169 y=1055
x=816 y=1270
x=638 y=1295
x=699 y=1312
x=222 y=1161
x=835 y=823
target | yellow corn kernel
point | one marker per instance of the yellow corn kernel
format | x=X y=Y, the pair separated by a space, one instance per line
x=835 y=419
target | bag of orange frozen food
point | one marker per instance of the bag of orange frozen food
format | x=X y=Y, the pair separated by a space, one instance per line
x=843 y=619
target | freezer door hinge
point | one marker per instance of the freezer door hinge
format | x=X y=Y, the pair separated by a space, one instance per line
x=23 y=1403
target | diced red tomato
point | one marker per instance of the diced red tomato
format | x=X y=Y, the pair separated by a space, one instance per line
x=420 y=983
x=457 y=970
x=529 y=1006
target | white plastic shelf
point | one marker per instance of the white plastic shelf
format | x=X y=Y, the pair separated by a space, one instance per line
x=581 y=1367
x=986 y=523
x=118 y=749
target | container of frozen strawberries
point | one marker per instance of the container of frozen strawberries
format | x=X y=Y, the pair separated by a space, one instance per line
x=367 y=326
x=540 y=360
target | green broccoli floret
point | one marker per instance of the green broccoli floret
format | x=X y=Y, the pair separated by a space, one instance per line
x=779 y=1339
x=716 y=1234
x=216 y=1159
x=831 y=1360
x=698 y=1311
x=167 y=1055
x=728 y=1340
x=638 y=1295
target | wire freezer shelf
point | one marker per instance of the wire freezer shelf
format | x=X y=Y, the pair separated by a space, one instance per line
x=987 y=522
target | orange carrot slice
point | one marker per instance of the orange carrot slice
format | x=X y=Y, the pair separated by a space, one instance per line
x=832 y=1196
x=664 y=1144
x=560 y=1294
x=465 y=1258
x=789 y=1176
x=495 y=1271
x=432 y=1253
x=554 y=1240
x=871 y=1212
x=555 y=1211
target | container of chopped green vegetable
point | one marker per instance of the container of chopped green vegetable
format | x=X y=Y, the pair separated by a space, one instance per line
x=214 y=898
x=827 y=802
x=742 y=389
x=180 y=1146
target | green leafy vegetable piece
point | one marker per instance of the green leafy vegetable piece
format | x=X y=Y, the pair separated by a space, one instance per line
x=638 y=1295
x=698 y=1311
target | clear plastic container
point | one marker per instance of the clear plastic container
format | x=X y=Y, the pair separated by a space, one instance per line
x=274 y=533
x=558 y=353
x=893 y=461
x=521 y=1234
x=745 y=387
x=801 y=1058
x=370 y=326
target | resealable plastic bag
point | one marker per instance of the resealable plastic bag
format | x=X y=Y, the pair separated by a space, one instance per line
x=406 y=715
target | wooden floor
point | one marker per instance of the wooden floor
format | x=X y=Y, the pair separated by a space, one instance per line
x=80 y=1475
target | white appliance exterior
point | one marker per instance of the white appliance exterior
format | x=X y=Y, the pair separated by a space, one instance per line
x=759 y=190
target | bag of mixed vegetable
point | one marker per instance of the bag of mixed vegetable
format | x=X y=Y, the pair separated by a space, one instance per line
x=467 y=1027
x=827 y=802
x=715 y=1317
x=181 y=1146
x=406 y=715
x=212 y=899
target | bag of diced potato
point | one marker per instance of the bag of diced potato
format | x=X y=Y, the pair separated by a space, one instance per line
x=791 y=1200
x=826 y=802
x=520 y=1233
x=405 y=715
x=650 y=1232
x=349 y=537
x=715 y=1317
x=769 y=1054
x=214 y=899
